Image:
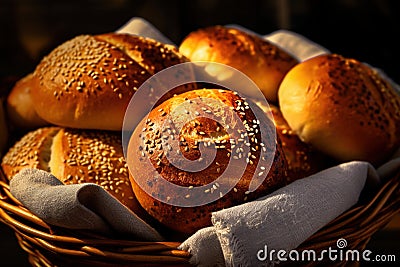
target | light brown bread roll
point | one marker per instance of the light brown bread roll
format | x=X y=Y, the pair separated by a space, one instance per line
x=152 y=145
x=20 y=107
x=75 y=156
x=262 y=61
x=88 y=81
x=342 y=108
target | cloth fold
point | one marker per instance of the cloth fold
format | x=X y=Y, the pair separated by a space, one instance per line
x=288 y=216
x=77 y=206
x=205 y=248
x=296 y=44
x=141 y=27
x=284 y=219
x=293 y=43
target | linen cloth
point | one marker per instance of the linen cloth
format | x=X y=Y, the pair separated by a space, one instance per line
x=281 y=220
x=77 y=206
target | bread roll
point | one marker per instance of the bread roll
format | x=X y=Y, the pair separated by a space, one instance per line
x=262 y=61
x=74 y=156
x=152 y=142
x=87 y=82
x=20 y=108
x=342 y=108
x=303 y=160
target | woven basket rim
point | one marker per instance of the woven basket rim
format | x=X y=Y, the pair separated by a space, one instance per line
x=46 y=244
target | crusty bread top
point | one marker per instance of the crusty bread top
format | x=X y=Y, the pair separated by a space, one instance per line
x=88 y=81
x=264 y=62
x=212 y=128
x=342 y=107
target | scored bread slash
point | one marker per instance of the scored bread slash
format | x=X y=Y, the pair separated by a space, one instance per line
x=183 y=185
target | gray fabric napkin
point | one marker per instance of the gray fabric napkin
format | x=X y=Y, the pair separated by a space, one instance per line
x=296 y=44
x=141 y=27
x=78 y=206
x=282 y=220
x=293 y=43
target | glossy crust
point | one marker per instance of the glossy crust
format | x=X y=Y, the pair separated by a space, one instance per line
x=198 y=132
x=20 y=107
x=264 y=62
x=75 y=156
x=343 y=108
x=88 y=81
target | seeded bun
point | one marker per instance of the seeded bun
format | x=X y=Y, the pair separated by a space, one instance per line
x=88 y=81
x=74 y=156
x=342 y=108
x=264 y=62
x=20 y=108
x=153 y=139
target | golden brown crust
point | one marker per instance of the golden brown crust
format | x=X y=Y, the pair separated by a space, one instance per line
x=343 y=108
x=198 y=132
x=152 y=56
x=262 y=61
x=88 y=81
x=75 y=156
x=20 y=107
x=31 y=151
x=303 y=160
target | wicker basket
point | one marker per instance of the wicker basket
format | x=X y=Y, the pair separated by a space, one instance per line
x=51 y=246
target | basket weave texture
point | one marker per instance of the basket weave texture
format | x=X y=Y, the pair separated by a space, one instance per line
x=47 y=245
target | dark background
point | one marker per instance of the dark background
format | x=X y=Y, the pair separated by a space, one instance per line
x=362 y=29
